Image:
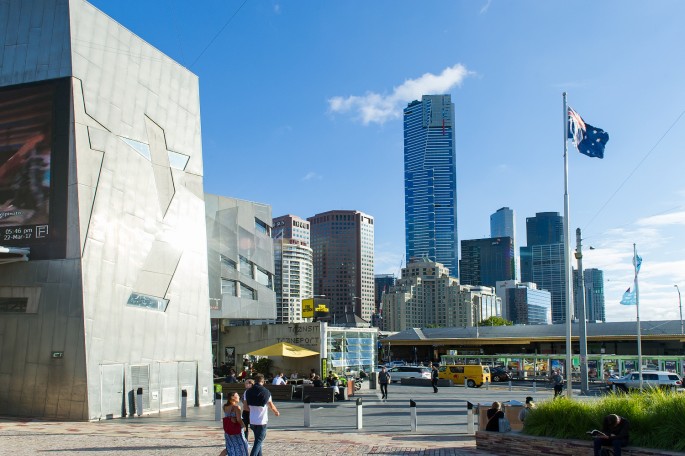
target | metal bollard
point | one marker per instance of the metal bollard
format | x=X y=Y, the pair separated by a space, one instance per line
x=509 y=385
x=308 y=411
x=218 y=406
x=613 y=388
x=184 y=403
x=359 y=413
x=466 y=382
x=535 y=387
x=412 y=407
x=469 y=418
x=139 y=401
x=487 y=386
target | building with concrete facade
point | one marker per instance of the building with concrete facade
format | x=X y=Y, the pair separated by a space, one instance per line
x=293 y=268
x=425 y=296
x=343 y=246
x=101 y=179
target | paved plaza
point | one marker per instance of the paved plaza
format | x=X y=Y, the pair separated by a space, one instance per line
x=442 y=428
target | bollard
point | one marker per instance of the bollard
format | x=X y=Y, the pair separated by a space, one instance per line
x=184 y=403
x=466 y=382
x=487 y=386
x=218 y=405
x=469 y=418
x=535 y=387
x=613 y=388
x=308 y=411
x=359 y=413
x=412 y=407
x=139 y=401
x=509 y=385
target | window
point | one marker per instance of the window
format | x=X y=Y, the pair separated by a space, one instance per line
x=247 y=292
x=261 y=227
x=147 y=302
x=13 y=305
x=230 y=264
x=245 y=266
x=228 y=287
x=263 y=277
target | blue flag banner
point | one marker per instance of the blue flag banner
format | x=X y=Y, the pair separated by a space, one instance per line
x=589 y=140
x=629 y=298
x=637 y=261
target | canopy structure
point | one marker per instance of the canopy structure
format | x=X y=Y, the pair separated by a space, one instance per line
x=13 y=254
x=284 y=349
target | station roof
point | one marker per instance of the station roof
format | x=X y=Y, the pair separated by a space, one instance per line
x=621 y=330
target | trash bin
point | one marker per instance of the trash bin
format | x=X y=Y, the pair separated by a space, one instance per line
x=373 y=380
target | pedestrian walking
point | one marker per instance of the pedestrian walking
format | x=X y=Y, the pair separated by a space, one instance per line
x=383 y=379
x=558 y=382
x=246 y=408
x=236 y=445
x=434 y=377
x=259 y=401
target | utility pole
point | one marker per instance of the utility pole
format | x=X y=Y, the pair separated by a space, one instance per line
x=680 y=304
x=582 y=323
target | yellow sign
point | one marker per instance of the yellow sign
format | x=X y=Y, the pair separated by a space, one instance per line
x=321 y=308
x=307 y=308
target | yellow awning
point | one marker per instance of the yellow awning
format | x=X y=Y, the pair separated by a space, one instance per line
x=284 y=349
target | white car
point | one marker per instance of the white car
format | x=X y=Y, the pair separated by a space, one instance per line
x=400 y=372
x=650 y=379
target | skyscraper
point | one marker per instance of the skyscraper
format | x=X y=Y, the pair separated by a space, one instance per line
x=503 y=223
x=342 y=243
x=430 y=181
x=486 y=261
x=542 y=260
x=294 y=269
x=594 y=294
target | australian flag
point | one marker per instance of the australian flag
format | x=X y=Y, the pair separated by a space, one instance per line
x=588 y=139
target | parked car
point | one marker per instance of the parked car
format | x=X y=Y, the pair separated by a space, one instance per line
x=650 y=379
x=499 y=374
x=474 y=375
x=400 y=372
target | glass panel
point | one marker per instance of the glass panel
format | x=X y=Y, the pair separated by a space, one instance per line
x=147 y=302
x=178 y=161
x=228 y=262
x=140 y=147
x=245 y=267
x=13 y=305
x=247 y=292
x=263 y=277
x=261 y=227
x=228 y=287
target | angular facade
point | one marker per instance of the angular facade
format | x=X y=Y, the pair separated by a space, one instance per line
x=108 y=199
x=486 y=261
x=294 y=268
x=524 y=304
x=343 y=243
x=430 y=181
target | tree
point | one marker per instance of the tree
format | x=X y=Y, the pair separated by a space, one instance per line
x=495 y=321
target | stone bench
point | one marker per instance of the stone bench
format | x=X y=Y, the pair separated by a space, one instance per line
x=318 y=394
x=517 y=444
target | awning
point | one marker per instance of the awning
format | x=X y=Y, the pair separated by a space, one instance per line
x=13 y=254
x=284 y=349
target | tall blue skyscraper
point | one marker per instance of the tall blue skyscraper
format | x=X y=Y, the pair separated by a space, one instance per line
x=430 y=181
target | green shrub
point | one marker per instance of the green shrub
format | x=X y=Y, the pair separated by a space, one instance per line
x=263 y=366
x=657 y=418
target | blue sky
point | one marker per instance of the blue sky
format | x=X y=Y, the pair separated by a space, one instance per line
x=301 y=109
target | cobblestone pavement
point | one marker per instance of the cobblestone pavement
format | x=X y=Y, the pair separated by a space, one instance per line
x=35 y=437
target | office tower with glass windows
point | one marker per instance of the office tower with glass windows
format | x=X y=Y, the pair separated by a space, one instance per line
x=430 y=181
x=543 y=229
x=342 y=244
x=594 y=294
x=503 y=223
x=485 y=261
x=293 y=267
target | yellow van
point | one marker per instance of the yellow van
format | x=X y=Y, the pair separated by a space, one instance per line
x=474 y=374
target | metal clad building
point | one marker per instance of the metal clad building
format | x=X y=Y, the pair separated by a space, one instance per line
x=105 y=188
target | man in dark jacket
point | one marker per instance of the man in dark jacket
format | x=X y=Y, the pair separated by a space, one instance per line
x=615 y=429
x=434 y=378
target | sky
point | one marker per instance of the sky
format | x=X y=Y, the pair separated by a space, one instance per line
x=302 y=104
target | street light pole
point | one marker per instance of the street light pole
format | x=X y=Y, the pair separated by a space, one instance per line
x=680 y=304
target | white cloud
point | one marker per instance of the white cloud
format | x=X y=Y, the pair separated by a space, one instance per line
x=311 y=175
x=374 y=107
x=485 y=7
x=674 y=218
x=277 y=8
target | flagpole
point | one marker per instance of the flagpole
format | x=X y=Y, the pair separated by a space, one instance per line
x=567 y=260
x=637 y=310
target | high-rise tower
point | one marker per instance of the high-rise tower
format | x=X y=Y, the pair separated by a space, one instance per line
x=342 y=242
x=430 y=181
x=502 y=223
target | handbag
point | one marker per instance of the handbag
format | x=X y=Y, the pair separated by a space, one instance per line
x=231 y=427
x=504 y=425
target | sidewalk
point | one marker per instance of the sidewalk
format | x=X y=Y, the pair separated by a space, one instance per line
x=386 y=430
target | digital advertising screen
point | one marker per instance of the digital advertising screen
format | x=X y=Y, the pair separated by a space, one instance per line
x=34 y=141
